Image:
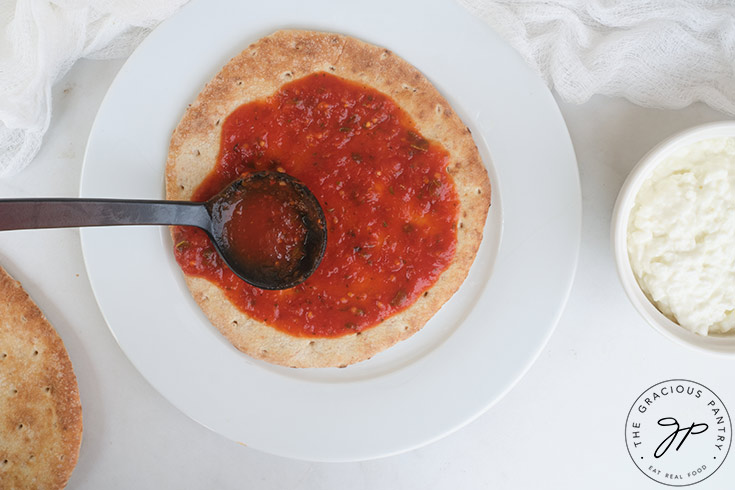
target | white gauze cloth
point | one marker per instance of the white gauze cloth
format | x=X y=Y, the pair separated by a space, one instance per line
x=655 y=53
x=39 y=42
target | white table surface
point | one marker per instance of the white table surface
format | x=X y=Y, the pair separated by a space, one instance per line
x=562 y=426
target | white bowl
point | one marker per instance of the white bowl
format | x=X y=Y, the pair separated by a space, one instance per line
x=721 y=344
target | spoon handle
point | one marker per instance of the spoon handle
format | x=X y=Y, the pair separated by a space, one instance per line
x=23 y=214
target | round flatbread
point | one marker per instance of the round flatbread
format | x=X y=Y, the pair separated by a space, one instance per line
x=40 y=411
x=257 y=73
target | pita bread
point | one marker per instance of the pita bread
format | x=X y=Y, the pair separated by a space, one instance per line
x=40 y=411
x=258 y=72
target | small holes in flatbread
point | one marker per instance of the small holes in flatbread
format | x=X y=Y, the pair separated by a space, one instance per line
x=426 y=293
x=239 y=82
x=287 y=75
x=461 y=225
x=234 y=323
x=43 y=425
x=311 y=342
x=218 y=121
x=198 y=153
x=331 y=68
x=439 y=109
x=479 y=191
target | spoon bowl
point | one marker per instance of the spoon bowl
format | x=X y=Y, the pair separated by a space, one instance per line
x=282 y=233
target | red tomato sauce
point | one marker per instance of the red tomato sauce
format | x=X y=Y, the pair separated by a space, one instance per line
x=263 y=227
x=390 y=205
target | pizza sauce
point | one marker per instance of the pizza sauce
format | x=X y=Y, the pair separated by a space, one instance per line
x=265 y=229
x=271 y=227
x=390 y=205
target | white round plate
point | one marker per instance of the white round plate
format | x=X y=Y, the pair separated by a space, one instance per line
x=465 y=358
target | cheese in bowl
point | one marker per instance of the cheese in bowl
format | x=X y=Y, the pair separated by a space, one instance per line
x=681 y=236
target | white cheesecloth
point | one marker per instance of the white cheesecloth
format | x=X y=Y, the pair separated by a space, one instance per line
x=655 y=53
x=40 y=40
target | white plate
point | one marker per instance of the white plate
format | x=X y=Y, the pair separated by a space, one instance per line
x=467 y=356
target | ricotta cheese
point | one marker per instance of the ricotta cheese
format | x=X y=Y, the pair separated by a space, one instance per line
x=681 y=236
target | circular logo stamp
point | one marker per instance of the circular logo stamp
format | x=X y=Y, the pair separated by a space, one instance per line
x=678 y=432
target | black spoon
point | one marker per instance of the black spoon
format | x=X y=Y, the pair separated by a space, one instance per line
x=211 y=216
